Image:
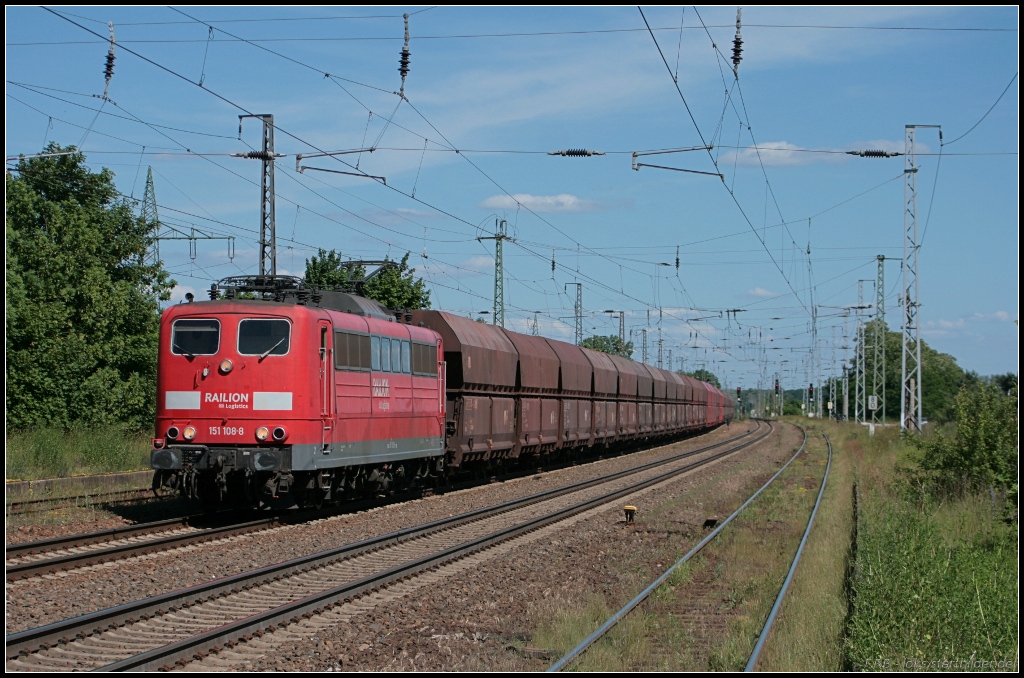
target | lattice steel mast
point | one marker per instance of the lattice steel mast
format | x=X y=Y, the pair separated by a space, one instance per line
x=268 y=224
x=152 y=219
x=878 y=369
x=910 y=373
x=578 y=308
x=500 y=235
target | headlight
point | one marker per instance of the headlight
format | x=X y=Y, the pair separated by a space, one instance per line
x=190 y=432
x=173 y=432
x=279 y=433
x=225 y=366
x=262 y=433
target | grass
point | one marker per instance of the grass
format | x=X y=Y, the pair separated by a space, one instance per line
x=55 y=453
x=934 y=581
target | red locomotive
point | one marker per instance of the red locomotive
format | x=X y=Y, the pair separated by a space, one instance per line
x=273 y=392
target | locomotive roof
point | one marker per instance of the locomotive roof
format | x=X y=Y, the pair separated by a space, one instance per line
x=330 y=300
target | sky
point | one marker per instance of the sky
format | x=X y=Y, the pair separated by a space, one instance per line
x=773 y=220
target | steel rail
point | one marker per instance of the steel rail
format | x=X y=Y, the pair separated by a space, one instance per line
x=615 y=618
x=97 y=622
x=97 y=537
x=73 y=561
x=39 y=566
x=752 y=662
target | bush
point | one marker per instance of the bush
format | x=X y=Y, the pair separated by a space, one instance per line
x=983 y=451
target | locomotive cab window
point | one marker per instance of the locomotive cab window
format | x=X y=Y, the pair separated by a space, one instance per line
x=195 y=337
x=263 y=336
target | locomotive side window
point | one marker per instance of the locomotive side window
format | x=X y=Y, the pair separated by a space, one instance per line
x=424 y=360
x=375 y=353
x=396 y=355
x=406 y=363
x=385 y=354
x=263 y=337
x=195 y=337
x=351 y=351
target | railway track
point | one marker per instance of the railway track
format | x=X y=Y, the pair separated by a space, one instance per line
x=61 y=554
x=175 y=627
x=766 y=630
x=71 y=552
x=565 y=661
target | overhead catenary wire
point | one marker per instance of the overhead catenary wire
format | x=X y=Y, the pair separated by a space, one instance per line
x=517 y=34
x=422 y=152
x=982 y=119
x=715 y=162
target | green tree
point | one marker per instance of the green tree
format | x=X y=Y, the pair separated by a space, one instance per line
x=609 y=344
x=82 y=305
x=704 y=375
x=941 y=377
x=327 y=270
x=394 y=287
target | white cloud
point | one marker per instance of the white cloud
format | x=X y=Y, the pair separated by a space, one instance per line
x=761 y=293
x=563 y=202
x=998 y=316
x=779 y=154
x=943 y=326
x=481 y=264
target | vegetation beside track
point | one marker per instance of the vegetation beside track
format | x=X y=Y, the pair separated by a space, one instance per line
x=56 y=453
x=912 y=563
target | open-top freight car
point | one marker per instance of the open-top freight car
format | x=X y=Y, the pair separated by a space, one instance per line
x=301 y=396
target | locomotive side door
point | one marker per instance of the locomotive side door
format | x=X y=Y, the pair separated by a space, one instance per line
x=326 y=385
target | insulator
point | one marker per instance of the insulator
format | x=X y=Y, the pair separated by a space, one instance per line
x=576 y=153
x=109 y=70
x=403 y=59
x=403 y=63
x=258 y=155
x=737 y=43
x=873 y=153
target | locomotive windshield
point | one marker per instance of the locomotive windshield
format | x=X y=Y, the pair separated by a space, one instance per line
x=263 y=337
x=195 y=337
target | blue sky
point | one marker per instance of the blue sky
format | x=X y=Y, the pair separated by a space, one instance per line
x=506 y=85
